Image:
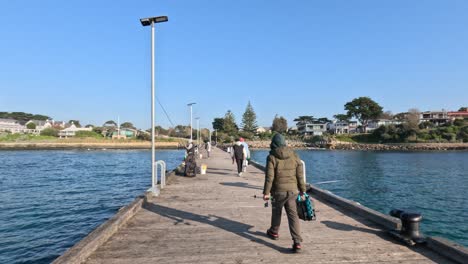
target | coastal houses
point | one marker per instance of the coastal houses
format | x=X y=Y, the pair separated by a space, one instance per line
x=435 y=117
x=124 y=133
x=342 y=127
x=11 y=125
x=312 y=129
x=460 y=114
x=263 y=130
x=374 y=124
x=71 y=131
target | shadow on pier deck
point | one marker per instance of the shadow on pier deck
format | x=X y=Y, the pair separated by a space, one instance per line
x=214 y=218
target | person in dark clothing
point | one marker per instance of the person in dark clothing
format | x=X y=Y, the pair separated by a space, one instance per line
x=238 y=154
x=284 y=179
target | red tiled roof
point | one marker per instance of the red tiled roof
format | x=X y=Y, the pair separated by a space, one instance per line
x=458 y=113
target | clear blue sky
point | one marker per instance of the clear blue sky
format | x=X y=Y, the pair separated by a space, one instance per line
x=90 y=60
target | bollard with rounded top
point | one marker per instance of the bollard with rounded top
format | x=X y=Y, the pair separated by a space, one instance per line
x=410 y=224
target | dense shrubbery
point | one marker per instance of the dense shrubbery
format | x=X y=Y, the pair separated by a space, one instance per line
x=49 y=132
x=85 y=134
x=456 y=132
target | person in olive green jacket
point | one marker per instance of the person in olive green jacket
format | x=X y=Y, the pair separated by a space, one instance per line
x=284 y=180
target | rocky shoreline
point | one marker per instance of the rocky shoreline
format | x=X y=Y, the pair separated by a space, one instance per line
x=367 y=147
x=399 y=147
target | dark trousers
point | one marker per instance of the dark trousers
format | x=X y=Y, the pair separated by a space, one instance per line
x=288 y=200
x=239 y=165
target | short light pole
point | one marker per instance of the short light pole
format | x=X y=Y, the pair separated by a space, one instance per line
x=150 y=21
x=190 y=105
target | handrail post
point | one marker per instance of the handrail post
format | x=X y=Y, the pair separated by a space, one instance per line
x=154 y=181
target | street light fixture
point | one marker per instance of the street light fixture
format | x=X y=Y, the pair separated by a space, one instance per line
x=190 y=104
x=147 y=22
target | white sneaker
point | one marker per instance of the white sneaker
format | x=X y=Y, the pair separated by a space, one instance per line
x=240 y=174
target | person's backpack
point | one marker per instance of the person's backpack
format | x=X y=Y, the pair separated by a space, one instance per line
x=305 y=208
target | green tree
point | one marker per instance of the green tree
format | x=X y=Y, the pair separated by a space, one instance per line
x=218 y=124
x=460 y=122
x=323 y=120
x=249 y=119
x=75 y=122
x=127 y=125
x=110 y=123
x=302 y=120
x=363 y=109
x=341 y=117
x=280 y=124
x=229 y=126
x=31 y=126
x=40 y=117
x=463 y=109
x=463 y=134
x=183 y=131
x=21 y=116
x=159 y=130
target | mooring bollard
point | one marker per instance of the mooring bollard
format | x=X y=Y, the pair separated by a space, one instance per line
x=410 y=226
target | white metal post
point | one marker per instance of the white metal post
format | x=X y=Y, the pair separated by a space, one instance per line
x=153 y=155
x=191 y=123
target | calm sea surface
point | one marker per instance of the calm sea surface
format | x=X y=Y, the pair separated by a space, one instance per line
x=432 y=183
x=50 y=200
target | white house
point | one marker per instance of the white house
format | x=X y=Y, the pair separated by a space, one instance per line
x=263 y=130
x=435 y=117
x=342 y=127
x=11 y=125
x=71 y=131
x=374 y=124
x=312 y=129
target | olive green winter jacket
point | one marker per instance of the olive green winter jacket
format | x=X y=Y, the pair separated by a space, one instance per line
x=284 y=172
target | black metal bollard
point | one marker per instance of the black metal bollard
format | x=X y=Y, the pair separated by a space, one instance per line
x=410 y=224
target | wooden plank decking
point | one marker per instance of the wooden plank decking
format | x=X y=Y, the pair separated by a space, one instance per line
x=214 y=218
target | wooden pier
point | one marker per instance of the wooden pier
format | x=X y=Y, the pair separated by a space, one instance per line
x=214 y=218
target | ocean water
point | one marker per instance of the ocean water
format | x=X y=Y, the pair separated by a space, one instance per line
x=432 y=183
x=50 y=200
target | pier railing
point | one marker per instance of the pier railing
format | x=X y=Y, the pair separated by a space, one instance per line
x=162 y=176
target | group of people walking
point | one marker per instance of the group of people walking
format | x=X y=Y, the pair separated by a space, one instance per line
x=284 y=181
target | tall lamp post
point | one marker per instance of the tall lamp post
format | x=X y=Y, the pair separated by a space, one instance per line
x=190 y=105
x=150 y=21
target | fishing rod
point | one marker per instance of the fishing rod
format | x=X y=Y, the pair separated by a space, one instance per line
x=325 y=182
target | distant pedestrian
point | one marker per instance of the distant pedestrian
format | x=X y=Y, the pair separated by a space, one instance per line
x=208 y=148
x=238 y=155
x=284 y=179
x=247 y=152
x=190 y=161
